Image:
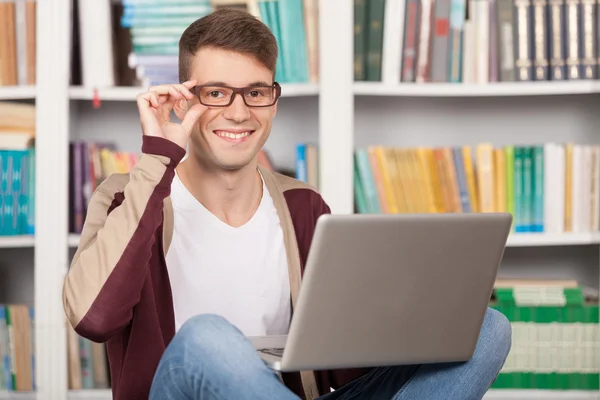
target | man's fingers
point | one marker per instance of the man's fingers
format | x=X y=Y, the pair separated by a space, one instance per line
x=191 y=116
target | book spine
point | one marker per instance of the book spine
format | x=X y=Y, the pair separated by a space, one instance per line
x=572 y=27
x=524 y=48
x=360 y=39
x=440 y=41
x=557 y=35
x=589 y=39
x=540 y=35
x=506 y=48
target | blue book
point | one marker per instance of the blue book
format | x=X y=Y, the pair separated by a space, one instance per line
x=301 y=169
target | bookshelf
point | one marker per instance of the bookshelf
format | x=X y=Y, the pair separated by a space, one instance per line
x=475 y=90
x=17 y=92
x=338 y=114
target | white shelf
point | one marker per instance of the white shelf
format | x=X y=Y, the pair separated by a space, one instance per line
x=550 y=239
x=508 y=394
x=73 y=240
x=17 y=395
x=515 y=240
x=92 y=394
x=476 y=90
x=7 y=242
x=125 y=93
x=17 y=92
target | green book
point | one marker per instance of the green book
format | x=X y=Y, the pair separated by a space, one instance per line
x=509 y=154
x=538 y=189
x=375 y=39
x=518 y=189
x=360 y=39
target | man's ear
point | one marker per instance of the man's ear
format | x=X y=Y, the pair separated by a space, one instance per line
x=181 y=107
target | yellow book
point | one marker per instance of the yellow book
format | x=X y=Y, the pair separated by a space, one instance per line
x=436 y=190
x=485 y=176
x=387 y=180
x=408 y=180
x=445 y=190
x=397 y=176
x=500 y=179
x=568 y=186
x=471 y=178
x=424 y=158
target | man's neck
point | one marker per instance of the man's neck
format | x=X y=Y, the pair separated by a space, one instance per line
x=232 y=196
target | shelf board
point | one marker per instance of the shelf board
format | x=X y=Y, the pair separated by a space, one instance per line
x=524 y=394
x=552 y=239
x=124 y=93
x=476 y=90
x=8 y=242
x=17 y=92
x=90 y=394
x=515 y=240
x=4 y=395
x=73 y=240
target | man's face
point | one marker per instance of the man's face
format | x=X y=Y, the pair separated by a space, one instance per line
x=212 y=138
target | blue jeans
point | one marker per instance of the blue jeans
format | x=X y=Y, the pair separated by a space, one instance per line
x=209 y=359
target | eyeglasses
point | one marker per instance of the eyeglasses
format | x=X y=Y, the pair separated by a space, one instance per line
x=222 y=96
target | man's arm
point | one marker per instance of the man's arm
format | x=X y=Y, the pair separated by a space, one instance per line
x=109 y=268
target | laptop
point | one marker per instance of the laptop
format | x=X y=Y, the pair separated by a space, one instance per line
x=397 y=289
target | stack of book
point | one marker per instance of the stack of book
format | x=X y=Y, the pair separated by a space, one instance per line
x=17 y=42
x=136 y=42
x=90 y=164
x=475 y=41
x=550 y=187
x=555 y=335
x=87 y=363
x=17 y=354
x=17 y=169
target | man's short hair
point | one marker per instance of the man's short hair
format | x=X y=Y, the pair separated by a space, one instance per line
x=228 y=29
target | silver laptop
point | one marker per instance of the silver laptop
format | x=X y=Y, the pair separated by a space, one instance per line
x=395 y=289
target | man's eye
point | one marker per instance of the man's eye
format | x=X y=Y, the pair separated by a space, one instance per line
x=255 y=93
x=214 y=93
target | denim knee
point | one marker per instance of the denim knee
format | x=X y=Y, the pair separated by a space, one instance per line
x=497 y=337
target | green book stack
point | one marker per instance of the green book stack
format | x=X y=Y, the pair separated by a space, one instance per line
x=555 y=339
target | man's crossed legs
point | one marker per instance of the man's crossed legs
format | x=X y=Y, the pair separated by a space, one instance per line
x=210 y=359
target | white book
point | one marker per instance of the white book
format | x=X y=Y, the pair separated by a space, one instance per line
x=577 y=189
x=21 y=41
x=559 y=178
x=393 y=38
x=586 y=197
x=468 y=66
x=95 y=27
x=482 y=41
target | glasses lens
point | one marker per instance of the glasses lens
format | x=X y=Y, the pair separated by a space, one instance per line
x=259 y=96
x=214 y=95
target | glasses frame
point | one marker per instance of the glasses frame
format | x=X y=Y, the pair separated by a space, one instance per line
x=240 y=91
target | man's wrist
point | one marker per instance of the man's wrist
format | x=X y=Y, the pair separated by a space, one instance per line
x=163 y=147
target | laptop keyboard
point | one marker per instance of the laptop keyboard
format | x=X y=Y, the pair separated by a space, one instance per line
x=273 y=352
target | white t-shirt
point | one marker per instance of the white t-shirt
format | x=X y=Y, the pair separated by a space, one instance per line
x=238 y=273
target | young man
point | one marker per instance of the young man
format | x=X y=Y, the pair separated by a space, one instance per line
x=181 y=259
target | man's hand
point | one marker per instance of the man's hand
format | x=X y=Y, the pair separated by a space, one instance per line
x=155 y=107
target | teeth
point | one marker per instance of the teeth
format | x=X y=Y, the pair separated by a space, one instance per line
x=233 y=135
